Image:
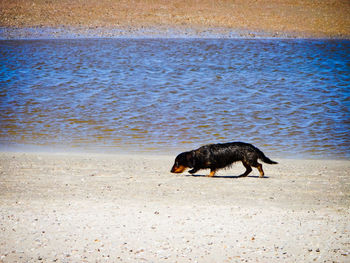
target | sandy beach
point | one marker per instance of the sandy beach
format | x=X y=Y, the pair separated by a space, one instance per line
x=130 y=208
x=83 y=207
x=157 y=18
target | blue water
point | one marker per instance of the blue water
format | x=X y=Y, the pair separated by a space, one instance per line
x=291 y=98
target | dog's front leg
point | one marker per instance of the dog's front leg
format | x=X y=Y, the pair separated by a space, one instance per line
x=212 y=173
x=194 y=170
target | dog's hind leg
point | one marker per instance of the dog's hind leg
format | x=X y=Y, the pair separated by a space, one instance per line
x=261 y=171
x=248 y=169
x=257 y=165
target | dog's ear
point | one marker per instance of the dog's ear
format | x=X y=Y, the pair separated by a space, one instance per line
x=190 y=157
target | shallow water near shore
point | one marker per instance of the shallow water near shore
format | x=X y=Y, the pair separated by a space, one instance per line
x=291 y=98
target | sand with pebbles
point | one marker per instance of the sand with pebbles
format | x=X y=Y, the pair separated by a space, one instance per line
x=130 y=208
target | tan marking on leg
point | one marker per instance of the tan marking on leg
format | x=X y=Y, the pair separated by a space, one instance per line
x=212 y=173
x=260 y=170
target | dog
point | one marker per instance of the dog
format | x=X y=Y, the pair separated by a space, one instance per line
x=221 y=155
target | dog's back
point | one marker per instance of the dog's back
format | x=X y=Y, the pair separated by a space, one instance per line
x=224 y=154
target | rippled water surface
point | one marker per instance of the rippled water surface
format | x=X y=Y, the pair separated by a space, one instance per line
x=291 y=98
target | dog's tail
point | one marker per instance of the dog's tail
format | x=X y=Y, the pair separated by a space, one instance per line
x=265 y=159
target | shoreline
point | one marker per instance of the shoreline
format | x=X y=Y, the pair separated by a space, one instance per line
x=51 y=33
x=130 y=208
x=173 y=151
x=144 y=153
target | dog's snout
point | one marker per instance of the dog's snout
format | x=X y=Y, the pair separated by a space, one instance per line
x=178 y=169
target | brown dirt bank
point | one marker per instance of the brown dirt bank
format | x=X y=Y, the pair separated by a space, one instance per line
x=294 y=18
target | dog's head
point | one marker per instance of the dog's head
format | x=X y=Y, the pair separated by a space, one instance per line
x=182 y=162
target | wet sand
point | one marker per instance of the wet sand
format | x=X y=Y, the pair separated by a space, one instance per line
x=156 y=18
x=130 y=208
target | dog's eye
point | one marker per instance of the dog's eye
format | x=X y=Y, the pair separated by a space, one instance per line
x=177 y=163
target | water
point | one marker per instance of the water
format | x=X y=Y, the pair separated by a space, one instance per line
x=291 y=98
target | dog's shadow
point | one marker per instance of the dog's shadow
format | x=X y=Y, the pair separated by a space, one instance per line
x=226 y=176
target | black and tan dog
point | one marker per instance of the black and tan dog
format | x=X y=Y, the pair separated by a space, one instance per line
x=217 y=156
